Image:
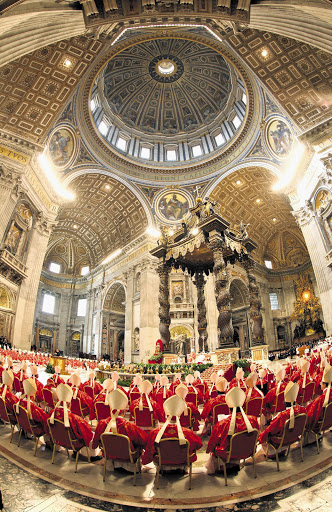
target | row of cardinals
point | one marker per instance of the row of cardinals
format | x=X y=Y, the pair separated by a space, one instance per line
x=42 y=359
x=173 y=408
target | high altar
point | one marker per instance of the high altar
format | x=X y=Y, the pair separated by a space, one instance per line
x=205 y=244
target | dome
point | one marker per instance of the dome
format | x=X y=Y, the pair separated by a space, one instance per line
x=168 y=100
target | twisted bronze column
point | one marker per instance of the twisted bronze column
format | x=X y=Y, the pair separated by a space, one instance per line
x=199 y=282
x=223 y=297
x=164 y=316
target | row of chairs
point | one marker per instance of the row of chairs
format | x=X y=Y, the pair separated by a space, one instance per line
x=169 y=452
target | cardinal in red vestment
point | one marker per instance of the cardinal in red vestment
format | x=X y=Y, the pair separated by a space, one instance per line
x=145 y=400
x=6 y=393
x=173 y=407
x=277 y=424
x=80 y=426
x=315 y=408
x=182 y=392
x=219 y=442
x=118 y=402
x=35 y=413
x=238 y=380
x=271 y=396
x=207 y=413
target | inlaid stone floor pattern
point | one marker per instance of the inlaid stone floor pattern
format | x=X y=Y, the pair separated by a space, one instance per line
x=22 y=492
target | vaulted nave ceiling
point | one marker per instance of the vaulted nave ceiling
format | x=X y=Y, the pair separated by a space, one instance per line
x=286 y=45
x=247 y=195
x=104 y=217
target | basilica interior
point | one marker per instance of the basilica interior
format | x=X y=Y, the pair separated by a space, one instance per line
x=118 y=118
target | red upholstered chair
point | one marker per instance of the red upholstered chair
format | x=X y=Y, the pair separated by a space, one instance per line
x=186 y=421
x=48 y=398
x=18 y=385
x=192 y=397
x=324 y=423
x=219 y=409
x=200 y=386
x=133 y=396
x=28 y=426
x=242 y=445
x=76 y=407
x=6 y=417
x=254 y=406
x=65 y=437
x=279 y=404
x=116 y=447
x=213 y=394
x=289 y=436
x=144 y=418
x=89 y=391
x=171 y=453
x=307 y=394
x=102 y=411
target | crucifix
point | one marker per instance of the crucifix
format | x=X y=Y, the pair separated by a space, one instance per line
x=196 y=191
x=203 y=339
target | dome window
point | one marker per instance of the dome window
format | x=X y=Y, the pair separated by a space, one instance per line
x=236 y=122
x=268 y=264
x=93 y=105
x=121 y=144
x=171 y=155
x=197 y=150
x=220 y=139
x=244 y=98
x=55 y=267
x=145 y=153
x=102 y=128
x=85 y=270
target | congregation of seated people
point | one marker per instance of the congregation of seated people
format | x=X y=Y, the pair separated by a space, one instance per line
x=164 y=423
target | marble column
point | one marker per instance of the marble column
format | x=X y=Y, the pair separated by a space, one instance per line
x=256 y=320
x=199 y=282
x=29 y=288
x=9 y=185
x=116 y=345
x=86 y=345
x=223 y=297
x=129 y=277
x=211 y=313
x=149 y=332
x=164 y=316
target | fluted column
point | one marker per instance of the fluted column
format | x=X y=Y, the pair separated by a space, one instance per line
x=256 y=320
x=164 y=316
x=223 y=297
x=199 y=282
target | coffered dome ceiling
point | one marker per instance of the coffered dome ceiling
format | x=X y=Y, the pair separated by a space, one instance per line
x=168 y=94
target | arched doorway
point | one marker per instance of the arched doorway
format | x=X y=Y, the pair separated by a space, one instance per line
x=113 y=321
x=240 y=314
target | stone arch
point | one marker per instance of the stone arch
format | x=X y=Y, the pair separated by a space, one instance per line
x=113 y=321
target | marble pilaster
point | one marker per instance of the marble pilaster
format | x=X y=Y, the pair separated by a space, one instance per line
x=149 y=332
x=29 y=288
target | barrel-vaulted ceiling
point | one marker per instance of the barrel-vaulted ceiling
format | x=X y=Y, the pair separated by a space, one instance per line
x=247 y=195
x=105 y=216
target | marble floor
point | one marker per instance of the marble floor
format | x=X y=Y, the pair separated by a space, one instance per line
x=23 y=492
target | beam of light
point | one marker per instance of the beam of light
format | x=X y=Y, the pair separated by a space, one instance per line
x=153 y=232
x=50 y=174
x=111 y=256
x=292 y=167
